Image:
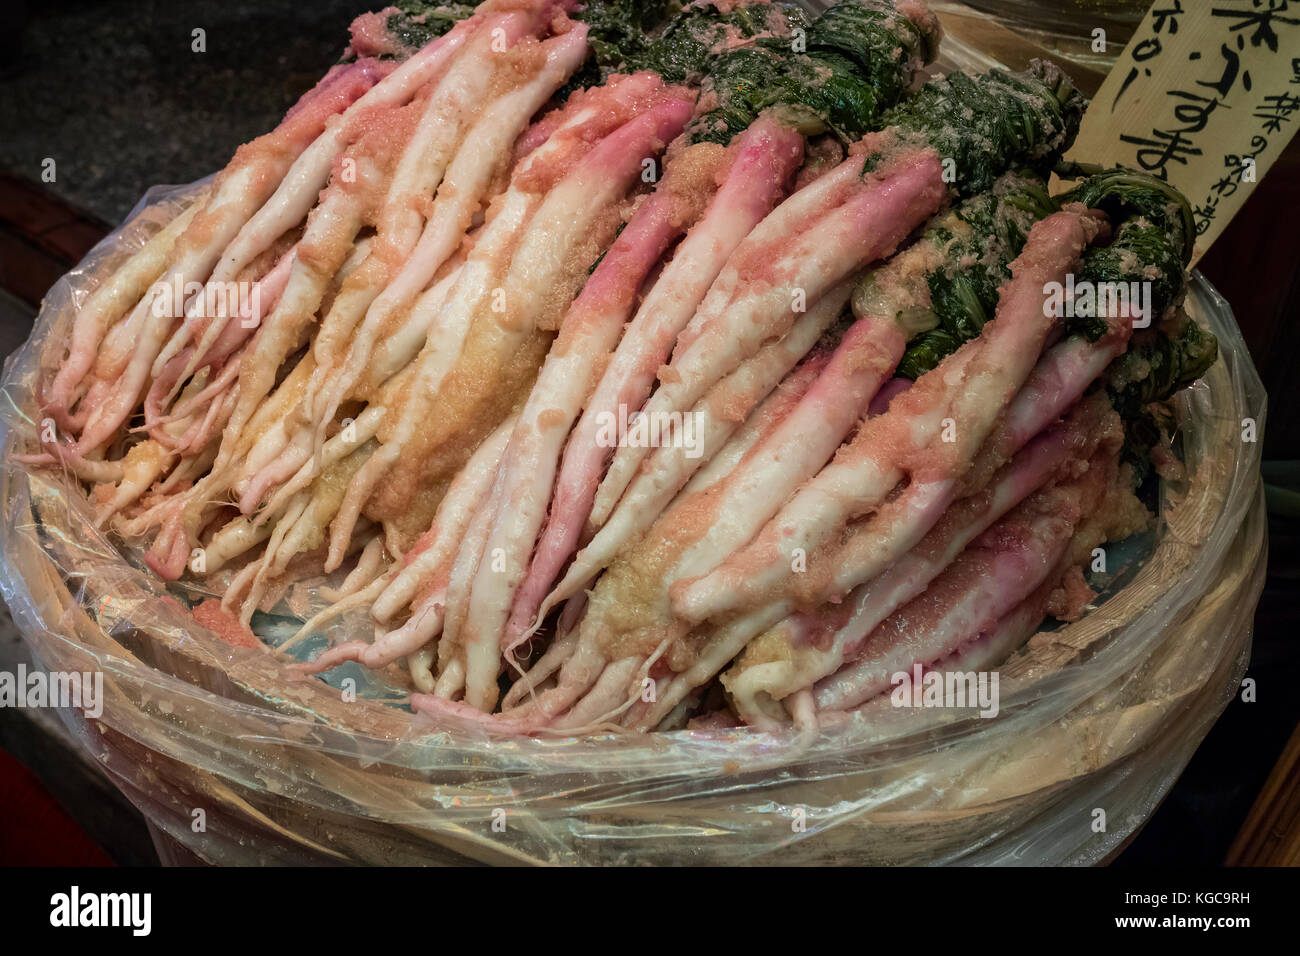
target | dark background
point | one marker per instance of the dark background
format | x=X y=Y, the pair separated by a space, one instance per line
x=112 y=91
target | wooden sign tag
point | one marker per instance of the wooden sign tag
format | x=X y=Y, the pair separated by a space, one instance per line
x=1206 y=95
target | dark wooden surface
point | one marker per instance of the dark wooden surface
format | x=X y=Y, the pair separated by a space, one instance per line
x=1271 y=834
x=40 y=235
x=1256 y=266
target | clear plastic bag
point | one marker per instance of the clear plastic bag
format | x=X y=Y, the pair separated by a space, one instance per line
x=1101 y=714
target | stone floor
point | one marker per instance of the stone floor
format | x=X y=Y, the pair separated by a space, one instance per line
x=113 y=92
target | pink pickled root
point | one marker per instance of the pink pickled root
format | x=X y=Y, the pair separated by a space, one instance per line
x=621 y=154
x=611 y=291
x=997 y=572
x=227 y=338
x=330 y=97
x=1043 y=460
x=994 y=367
x=767 y=155
x=867 y=354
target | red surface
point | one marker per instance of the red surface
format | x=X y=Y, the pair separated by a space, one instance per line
x=34 y=829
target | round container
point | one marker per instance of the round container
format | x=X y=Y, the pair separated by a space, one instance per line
x=1098 y=715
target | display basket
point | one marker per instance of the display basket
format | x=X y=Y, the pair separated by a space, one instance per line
x=235 y=759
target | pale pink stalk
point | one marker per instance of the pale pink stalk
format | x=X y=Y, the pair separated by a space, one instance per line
x=142 y=466
x=699 y=530
x=451 y=649
x=475 y=165
x=722 y=646
x=571 y=209
x=298 y=191
x=436 y=548
x=585 y=120
x=176 y=372
x=766 y=156
x=388 y=367
x=817 y=643
x=987 y=581
x=781 y=272
x=995 y=644
x=445 y=118
x=717 y=416
x=723 y=443
x=960 y=399
x=238 y=191
x=323 y=252
x=589 y=332
x=106 y=304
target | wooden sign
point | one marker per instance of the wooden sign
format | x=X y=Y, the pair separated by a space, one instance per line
x=1206 y=95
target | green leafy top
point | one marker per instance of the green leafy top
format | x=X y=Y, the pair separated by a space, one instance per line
x=1158 y=363
x=1152 y=241
x=619 y=32
x=1125 y=193
x=875 y=37
x=989 y=122
x=944 y=287
x=679 y=43
x=416 y=23
x=840 y=73
x=692 y=42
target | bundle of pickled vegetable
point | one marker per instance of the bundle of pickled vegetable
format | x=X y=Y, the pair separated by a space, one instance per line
x=642 y=364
